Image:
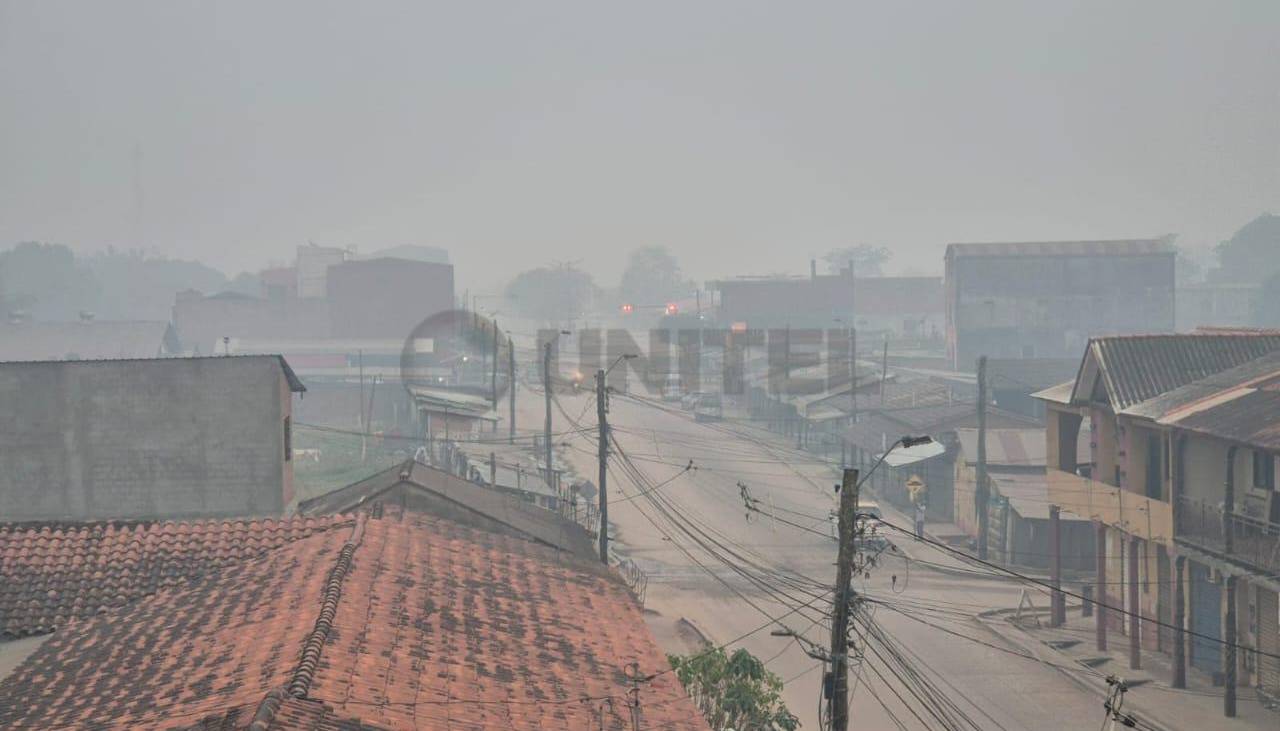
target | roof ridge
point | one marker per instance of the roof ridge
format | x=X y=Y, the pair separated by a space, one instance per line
x=309 y=660
x=265 y=715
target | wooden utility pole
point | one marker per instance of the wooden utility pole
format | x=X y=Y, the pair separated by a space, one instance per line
x=603 y=436
x=853 y=375
x=981 y=494
x=1057 y=600
x=493 y=378
x=884 y=369
x=364 y=429
x=546 y=389
x=511 y=384
x=848 y=522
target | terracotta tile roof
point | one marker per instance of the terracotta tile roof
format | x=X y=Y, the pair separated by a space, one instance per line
x=53 y=573
x=405 y=622
x=223 y=640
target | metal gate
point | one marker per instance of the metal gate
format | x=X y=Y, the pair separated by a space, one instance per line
x=1206 y=620
x=1269 y=642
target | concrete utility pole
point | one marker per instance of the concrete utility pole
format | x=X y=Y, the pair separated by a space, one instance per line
x=546 y=388
x=982 y=498
x=848 y=521
x=603 y=435
x=511 y=384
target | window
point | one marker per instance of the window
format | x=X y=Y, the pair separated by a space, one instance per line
x=1155 y=464
x=288 y=439
x=1264 y=470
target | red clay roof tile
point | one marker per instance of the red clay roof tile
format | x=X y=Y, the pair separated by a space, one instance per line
x=51 y=575
x=405 y=622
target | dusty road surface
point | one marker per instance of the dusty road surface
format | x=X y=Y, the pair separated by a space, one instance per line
x=737 y=576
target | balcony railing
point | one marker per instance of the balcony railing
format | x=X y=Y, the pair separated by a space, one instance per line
x=1131 y=512
x=1242 y=538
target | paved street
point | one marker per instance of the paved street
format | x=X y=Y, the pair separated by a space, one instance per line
x=928 y=613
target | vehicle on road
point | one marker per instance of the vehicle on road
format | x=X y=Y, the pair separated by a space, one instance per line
x=671 y=390
x=690 y=399
x=708 y=408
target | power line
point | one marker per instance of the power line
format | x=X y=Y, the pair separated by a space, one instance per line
x=1046 y=585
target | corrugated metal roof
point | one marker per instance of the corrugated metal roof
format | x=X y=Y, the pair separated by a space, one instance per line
x=1169 y=404
x=874 y=429
x=1011 y=447
x=1136 y=368
x=1252 y=419
x=1031 y=374
x=1059 y=394
x=1114 y=247
x=1028 y=495
x=1015 y=447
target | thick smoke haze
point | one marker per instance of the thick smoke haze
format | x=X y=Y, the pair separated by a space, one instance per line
x=515 y=134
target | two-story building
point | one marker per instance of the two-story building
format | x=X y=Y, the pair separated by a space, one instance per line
x=1137 y=397
x=1224 y=433
x=1045 y=299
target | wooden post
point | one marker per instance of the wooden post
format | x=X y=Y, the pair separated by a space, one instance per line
x=884 y=368
x=1179 y=623
x=1135 y=623
x=511 y=384
x=603 y=457
x=1100 y=594
x=1057 y=604
x=493 y=378
x=546 y=387
x=1229 y=651
x=981 y=493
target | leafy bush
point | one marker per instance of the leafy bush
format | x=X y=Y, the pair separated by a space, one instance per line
x=734 y=691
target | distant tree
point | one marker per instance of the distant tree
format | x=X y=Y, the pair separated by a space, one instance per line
x=868 y=261
x=136 y=285
x=46 y=281
x=246 y=283
x=1253 y=254
x=734 y=691
x=555 y=293
x=653 y=276
x=1266 y=311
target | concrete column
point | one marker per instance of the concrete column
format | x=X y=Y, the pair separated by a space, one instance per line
x=1057 y=605
x=1100 y=600
x=1135 y=646
x=1179 y=622
x=1229 y=651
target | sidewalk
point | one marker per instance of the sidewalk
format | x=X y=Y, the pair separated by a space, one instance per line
x=1150 y=697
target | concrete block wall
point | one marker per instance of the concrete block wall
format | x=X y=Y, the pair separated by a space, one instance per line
x=164 y=438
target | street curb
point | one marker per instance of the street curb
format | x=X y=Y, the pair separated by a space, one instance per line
x=1034 y=648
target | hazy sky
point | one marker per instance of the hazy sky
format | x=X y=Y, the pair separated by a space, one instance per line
x=746 y=136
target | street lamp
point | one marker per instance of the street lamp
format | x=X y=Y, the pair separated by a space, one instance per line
x=924 y=448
